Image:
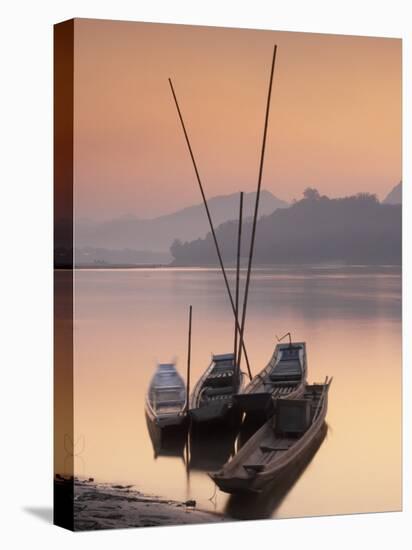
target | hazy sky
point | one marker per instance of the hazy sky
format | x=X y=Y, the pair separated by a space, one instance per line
x=335 y=120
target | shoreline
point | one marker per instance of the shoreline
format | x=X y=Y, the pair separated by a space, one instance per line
x=216 y=267
x=112 y=506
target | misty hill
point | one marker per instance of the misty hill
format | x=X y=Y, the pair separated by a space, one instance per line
x=355 y=229
x=157 y=234
x=395 y=196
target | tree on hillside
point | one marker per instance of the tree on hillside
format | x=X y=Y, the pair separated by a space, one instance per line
x=367 y=197
x=176 y=248
x=311 y=194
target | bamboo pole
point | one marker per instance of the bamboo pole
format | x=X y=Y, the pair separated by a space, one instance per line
x=255 y=215
x=189 y=353
x=239 y=240
x=212 y=229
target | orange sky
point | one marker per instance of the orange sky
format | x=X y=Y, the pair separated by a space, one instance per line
x=335 y=120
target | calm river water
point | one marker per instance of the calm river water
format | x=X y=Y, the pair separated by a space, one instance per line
x=350 y=317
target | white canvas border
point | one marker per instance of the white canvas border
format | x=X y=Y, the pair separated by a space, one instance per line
x=26 y=176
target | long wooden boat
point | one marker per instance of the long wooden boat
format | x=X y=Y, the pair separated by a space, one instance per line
x=165 y=403
x=283 y=377
x=264 y=504
x=282 y=442
x=211 y=401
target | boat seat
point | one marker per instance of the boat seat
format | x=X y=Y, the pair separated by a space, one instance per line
x=219 y=397
x=290 y=353
x=212 y=392
x=254 y=467
x=285 y=365
x=168 y=404
x=271 y=448
x=223 y=378
x=287 y=377
x=286 y=370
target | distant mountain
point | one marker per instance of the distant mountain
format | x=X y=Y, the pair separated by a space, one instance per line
x=355 y=229
x=395 y=196
x=157 y=234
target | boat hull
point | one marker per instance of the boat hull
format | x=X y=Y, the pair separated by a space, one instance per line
x=289 y=438
x=263 y=504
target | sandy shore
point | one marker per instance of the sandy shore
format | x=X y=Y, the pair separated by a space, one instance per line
x=105 y=506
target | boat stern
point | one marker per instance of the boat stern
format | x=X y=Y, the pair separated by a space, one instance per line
x=233 y=485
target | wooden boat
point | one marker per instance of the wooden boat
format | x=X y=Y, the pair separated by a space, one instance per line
x=264 y=504
x=283 y=377
x=166 y=402
x=212 y=398
x=282 y=442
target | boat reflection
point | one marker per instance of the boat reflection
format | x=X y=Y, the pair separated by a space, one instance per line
x=264 y=505
x=209 y=451
x=169 y=442
x=200 y=450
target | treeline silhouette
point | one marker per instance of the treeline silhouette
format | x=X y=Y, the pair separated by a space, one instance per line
x=356 y=229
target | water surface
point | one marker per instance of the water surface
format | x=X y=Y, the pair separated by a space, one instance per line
x=125 y=321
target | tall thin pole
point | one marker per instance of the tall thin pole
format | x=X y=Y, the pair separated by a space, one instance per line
x=210 y=222
x=255 y=215
x=189 y=352
x=239 y=239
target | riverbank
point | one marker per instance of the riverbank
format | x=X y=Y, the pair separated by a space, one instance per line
x=106 y=506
